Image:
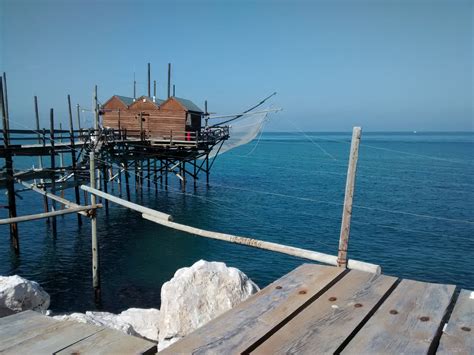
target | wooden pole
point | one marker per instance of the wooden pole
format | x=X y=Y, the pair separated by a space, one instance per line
x=154 y=88
x=5 y=100
x=255 y=243
x=33 y=217
x=73 y=158
x=78 y=117
x=53 y=166
x=40 y=158
x=127 y=183
x=349 y=194
x=14 y=238
x=149 y=80
x=174 y=90
x=95 y=244
x=104 y=174
x=148 y=172
x=166 y=174
x=169 y=79
x=207 y=168
x=45 y=201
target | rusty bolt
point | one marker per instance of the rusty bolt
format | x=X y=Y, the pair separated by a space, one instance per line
x=358 y=305
x=424 y=318
x=393 y=311
x=278 y=287
x=302 y=292
x=466 y=329
x=332 y=299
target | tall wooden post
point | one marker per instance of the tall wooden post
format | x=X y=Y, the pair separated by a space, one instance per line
x=53 y=167
x=195 y=173
x=174 y=90
x=14 y=238
x=207 y=168
x=169 y=79
x=45 y=201
x=95 y=244
x=73 y=158
x=349 y=194
x=161 y=173
x=154 y=88
x=149 y=79
x=104 y=176
x=166 y=174
x=40 y=158
x=78 y=117
x=127 y=182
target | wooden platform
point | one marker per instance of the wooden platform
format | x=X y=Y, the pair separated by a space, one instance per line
x=32 y=333
x=323 y=310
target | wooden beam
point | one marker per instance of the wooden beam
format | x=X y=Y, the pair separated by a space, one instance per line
x=33 y=217
x=53 y=197
x=349 y=194
x=130 y=205
x=95 y=243
x=255 y=243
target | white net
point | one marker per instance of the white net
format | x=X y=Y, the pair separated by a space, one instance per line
x=242 y=131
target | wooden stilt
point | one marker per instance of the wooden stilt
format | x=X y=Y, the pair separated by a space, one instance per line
x=104 y=175
x=148 y=172
x=166 y=174
x=53 y=168
x=207 y=168
x=95 y=244
x=73 y=158
x=14 y=238
x=40 y=158
x=127 y=182
x=349 y=194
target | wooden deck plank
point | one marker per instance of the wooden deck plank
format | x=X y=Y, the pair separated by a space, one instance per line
x=54 y=338
x=238 y=329
x=458 y=336
x=406 y=323
x=22 y=326
x=110 y=341
x=324 y=325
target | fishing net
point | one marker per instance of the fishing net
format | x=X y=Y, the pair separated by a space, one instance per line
x=242 y=131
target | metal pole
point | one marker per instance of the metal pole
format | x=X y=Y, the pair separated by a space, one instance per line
x=95 y=244
x=349 y=194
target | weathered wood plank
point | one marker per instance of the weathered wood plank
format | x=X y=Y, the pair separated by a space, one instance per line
x=327 y=322
x=53 y=338
x=238 y=329
x=458 y=336
x=406 y=323
x=21 y=326
x=110 y=341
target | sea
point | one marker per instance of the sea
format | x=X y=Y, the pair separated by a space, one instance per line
x=412 y=215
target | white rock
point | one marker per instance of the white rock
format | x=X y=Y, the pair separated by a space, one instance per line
x=104 y=319
x=197 y=294
x=145 y=322
x=19 y=294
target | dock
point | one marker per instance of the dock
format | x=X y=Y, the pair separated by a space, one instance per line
x=318 y=309
x=33 y=333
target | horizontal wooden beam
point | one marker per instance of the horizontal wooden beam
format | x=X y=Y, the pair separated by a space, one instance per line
x=33 y=217
x=130 y=205
x=284 y=249
x=66 y=203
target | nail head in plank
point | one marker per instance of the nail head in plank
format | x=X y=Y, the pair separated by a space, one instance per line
x=242 y=326
x=406 y=323
x=327 y=322
x=458 y=335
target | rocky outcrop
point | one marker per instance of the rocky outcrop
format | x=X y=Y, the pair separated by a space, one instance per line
x=18 y=294
x=197 y=294
x=133 y=321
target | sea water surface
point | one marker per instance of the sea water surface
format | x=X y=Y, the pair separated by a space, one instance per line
x=413 y=215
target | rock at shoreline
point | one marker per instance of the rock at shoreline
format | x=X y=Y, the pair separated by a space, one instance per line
x=197 y=294
x=145 y=322
x=18 y=294
x=133 y=321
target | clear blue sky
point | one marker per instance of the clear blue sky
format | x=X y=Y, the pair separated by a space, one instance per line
x=385 y=65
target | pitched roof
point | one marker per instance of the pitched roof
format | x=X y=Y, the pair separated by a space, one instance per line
x=188 y=104
x=125 y=99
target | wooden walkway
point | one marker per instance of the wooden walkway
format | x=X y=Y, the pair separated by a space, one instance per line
x=323 y=310
x=32 y=333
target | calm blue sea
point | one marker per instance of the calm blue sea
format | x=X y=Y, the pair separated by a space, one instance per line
x=413 y=215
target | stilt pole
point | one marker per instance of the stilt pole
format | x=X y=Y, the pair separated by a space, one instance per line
x=95 y=244
x=349 y=194
x=14 y=238
x=53 y=167
x=40 y=158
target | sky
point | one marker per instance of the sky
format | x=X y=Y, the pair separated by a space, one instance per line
x=394 y=65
